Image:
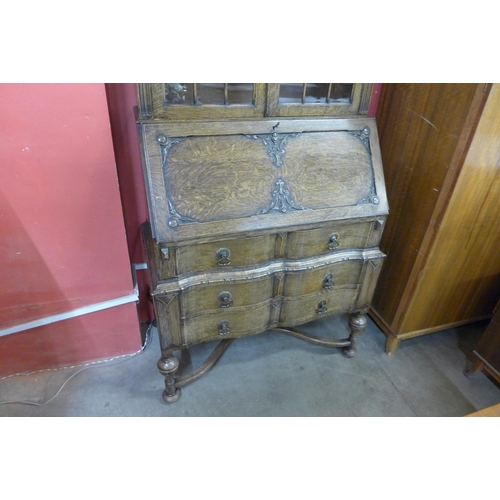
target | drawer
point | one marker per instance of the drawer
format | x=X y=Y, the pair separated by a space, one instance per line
x=226 y=295
x=334 y=238
x=324 y=278
x=225 y=254
x=297 y=310
x=229 y=323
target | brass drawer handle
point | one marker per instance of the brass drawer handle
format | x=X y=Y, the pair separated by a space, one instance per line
x=328 y=281
x=225 y=299
x=223 y=327
x=223 y=257
x=322 y=307
x=333 y=241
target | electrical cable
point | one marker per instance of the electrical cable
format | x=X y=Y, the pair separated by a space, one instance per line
x=147 y=343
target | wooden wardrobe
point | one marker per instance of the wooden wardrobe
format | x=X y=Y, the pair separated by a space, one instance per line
x=440 y=146
x=487 y=351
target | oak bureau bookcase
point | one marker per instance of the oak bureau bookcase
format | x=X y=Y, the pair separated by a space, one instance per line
x=266 y=207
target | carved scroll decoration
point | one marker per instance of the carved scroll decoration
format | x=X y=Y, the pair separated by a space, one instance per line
x=281 y=200
x=166 y=144
x=371 y=197
x=175 y=218
x=364 y=137
x=275 y=144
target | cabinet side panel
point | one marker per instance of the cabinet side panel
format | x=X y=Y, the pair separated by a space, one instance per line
x=489 y=345
x=420 y=128
x=461 y=280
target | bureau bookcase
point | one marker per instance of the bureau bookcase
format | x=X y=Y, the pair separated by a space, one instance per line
x=267 y=203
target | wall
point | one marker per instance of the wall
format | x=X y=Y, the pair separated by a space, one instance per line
x=122 y=98
x=62 y=237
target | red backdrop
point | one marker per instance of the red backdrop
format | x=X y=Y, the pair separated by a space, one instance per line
x=62 y=235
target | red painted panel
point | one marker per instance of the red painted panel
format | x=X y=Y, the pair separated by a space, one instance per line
x=122 y=98
x=100 y=335
x=62 y=237
x=374 y=100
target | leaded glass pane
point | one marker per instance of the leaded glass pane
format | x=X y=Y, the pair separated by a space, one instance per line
x=209 y=93
x=315 y=93
x=240 y=93
x=291 y=93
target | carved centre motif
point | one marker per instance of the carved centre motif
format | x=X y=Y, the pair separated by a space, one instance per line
x=275 y=145
x=282 y=200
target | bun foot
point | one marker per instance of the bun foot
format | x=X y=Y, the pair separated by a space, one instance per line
x=168 y=367
x=349 y=352
x=171 y=398
x=357 y=323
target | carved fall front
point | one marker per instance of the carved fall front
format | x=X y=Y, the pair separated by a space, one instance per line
x=228 y=177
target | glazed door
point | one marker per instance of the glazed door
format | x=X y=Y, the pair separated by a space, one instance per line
x=201 y=101
x=318 y=99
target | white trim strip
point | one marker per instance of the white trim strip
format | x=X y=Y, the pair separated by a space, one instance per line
x=71 y=314
x=133 y=297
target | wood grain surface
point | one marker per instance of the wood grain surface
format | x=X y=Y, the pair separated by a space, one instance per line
x=242 y=322
x=243 y=252
x=487 y=349
x=312 y=281
x=461 y=279
x=224 y=181
x=310 y=242
x=218 y=178
x=491 y=411
x=425 y=131
x=197 y=300
x=229 y=177
x=299 y=310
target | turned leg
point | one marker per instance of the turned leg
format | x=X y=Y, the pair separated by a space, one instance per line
x=477 y=366
x=391 y=344
x=168 y=368
x=357 y=323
